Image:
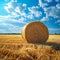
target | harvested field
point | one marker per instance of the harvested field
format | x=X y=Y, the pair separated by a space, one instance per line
x=13 y=47
x=11 y=39
x=54 y=39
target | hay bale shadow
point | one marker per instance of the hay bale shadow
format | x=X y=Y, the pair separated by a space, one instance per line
x=54 y=45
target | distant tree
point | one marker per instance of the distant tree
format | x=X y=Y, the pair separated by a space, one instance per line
x=55 y=33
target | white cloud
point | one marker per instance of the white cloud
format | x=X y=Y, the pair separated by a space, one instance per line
x=52 y=10
x=11 y=19
x=6 y=8
x=42 y=4
x=10 y=7
x=58 y=6
x=34 y=11
x=24 y=5
x=17 y=9
x=45 y=19
x=7 y=24
x=30 y=16
x=37 y=13
x=4 y=18
x=23 y=14
x=54 y=29
x=58 y=22
x=2 y=30
x=16 y=14
x=15 y=29
x=10 y=28
x=21 y=20
x=6 y=21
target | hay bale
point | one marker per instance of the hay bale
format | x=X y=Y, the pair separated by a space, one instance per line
x=35 y=32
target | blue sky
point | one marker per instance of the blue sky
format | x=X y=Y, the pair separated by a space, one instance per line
x=14 y=14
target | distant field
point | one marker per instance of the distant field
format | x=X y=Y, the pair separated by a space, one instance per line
x=11 y=39
x=19 y=39
x=54 y=39
x=14 y=47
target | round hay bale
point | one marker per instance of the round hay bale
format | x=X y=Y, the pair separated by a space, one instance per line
x=35 y=32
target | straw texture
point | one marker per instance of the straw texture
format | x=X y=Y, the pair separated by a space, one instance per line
x=35 y=32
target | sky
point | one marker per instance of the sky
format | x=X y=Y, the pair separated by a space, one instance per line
x=15 y=14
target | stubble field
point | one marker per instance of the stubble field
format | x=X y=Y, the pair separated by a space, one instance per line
x=14 y=47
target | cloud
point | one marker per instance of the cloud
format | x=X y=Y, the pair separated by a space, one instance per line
x=53 y=11
x=54 y=29
x=58 y=6
x=50 y=10
x=14 y=7
x=2 y=30
x=17 y=14
x=24 y=5
x=34 y=11
x=58 y=22
x=14 y=28
x=10 y=28
x=44 y=19
x=8 y=7
x=4 y=18
x=16 y=11
x=8 y=24
x=11 y=19
x=19 y=10
x=42 y=4
x=30 y=16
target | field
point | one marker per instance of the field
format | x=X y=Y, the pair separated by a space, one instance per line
x=11 y=39
x=54 y=39
x=14 y=47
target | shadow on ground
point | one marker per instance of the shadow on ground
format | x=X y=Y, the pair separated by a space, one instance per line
x=54 y=45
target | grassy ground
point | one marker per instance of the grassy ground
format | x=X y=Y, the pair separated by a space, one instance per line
x=14 y=47
x=11 y=39
x=54 y=39
x=19 y=39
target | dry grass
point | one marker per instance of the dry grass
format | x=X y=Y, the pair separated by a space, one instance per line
x=11 y=39
x=13 y=47
x=28 y=52
x=54 y=39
